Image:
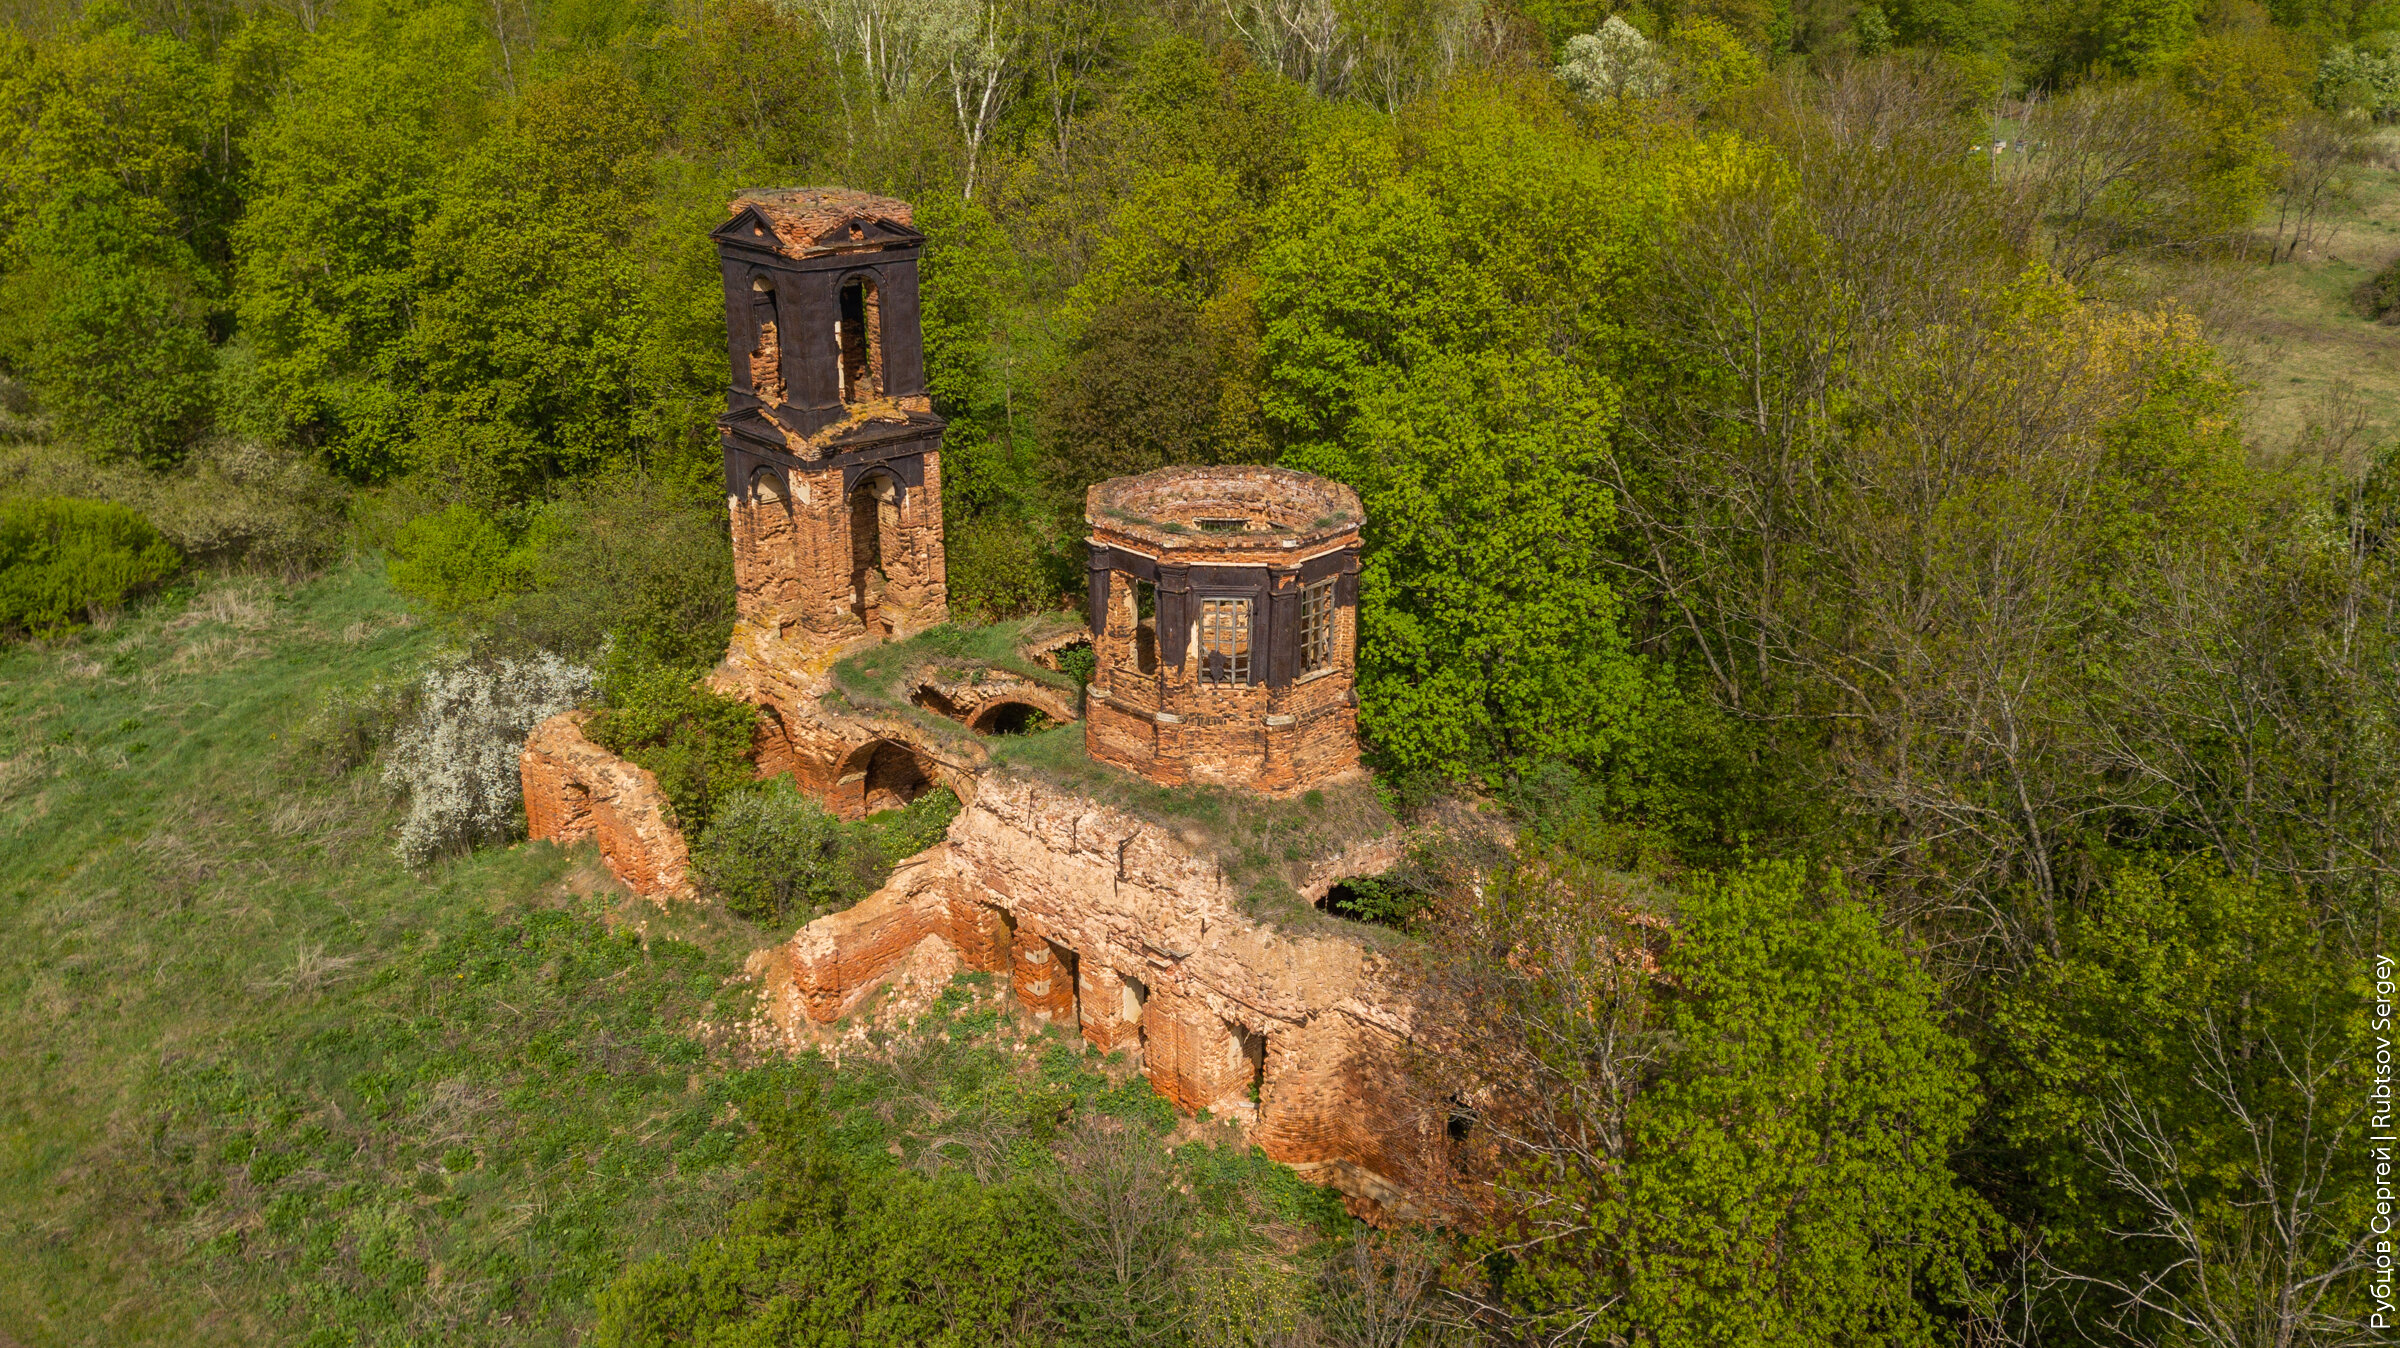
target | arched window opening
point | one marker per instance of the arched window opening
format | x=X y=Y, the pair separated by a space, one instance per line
x=895 y=777
x=857 y=335
x=766 y=353
x=874 y=510
x=1010 y=718
x=1145 y=627
x=767 y=485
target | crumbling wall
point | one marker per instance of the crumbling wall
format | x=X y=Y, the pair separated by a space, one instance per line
x=795 y=548
x=574 y=789
x=1106 y=923
x=854 y=764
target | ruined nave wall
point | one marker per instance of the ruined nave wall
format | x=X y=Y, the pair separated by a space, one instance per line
x=1106 y=924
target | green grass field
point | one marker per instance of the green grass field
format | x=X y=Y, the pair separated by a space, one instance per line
x=268 y=1085
x=2291 y=329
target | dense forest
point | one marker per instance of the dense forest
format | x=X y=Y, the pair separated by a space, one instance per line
x=1937 y=742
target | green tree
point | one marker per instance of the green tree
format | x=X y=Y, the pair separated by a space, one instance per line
x=106 y=319
x=696 y=740
x=528 y=283
x=837 y=1251
x=2196 y=1054
x=1748 y=1142
x=1433 y=308
x=63 y=562
x=347 y=170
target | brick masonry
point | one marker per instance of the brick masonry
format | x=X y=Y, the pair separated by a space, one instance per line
x=1190 y=541
x=1098 y=921
x=1106 y=923
x=574 y=790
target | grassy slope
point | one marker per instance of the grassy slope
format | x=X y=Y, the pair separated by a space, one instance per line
x=270 y=1086
x=2292 y=329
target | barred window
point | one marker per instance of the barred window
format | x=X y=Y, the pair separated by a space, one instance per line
x=1316 y=626
x=1225 y=641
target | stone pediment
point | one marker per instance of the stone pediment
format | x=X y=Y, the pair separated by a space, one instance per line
x=812 y=222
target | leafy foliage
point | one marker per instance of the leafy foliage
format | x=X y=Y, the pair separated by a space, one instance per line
x=456 y=754
x=696 y=740
x=774 y=851
x=1755 y=1148
x=903 y=1259
x=63 y=562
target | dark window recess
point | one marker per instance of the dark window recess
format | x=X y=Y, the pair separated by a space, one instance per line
x=855 y=335
x=1316 y=627
x=1145 y=627
x=1223 y=526
x=1225 y=641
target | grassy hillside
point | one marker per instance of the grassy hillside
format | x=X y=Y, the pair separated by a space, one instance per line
x=266 y=1076
x=2293 y=329
x=269 y=1085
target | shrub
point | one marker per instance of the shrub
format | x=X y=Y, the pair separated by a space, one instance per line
x=456 y=751
x=2378 y=297
x=997 y=569
x=896 y=835
x=231 y=503
x=774 y=851
x=457 y=559
x=695 y=741
x=846 y=1251
x=351 y=725
x=64 y=561
x=626 y=558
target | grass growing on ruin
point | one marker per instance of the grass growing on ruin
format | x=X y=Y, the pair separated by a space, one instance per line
x=1265 y=847
x=877 y=679
x=268 y=1085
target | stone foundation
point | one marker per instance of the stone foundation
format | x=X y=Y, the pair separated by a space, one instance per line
x=1105 y=923
x=574 y=790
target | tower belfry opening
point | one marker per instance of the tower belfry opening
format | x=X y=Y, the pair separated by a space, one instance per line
x=861 y=378
x=828 y=400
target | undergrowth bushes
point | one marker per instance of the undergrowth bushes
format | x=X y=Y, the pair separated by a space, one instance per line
x=230 y=503
x=63 y=562
x=456 y=751
x=773 y=851
x=694 y=740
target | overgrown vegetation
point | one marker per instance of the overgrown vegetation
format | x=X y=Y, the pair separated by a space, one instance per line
x=1798 y=441
x=775 y=856
x=64 y=563
x=1265 y=847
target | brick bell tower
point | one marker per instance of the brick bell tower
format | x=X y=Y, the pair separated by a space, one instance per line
x=833 y=465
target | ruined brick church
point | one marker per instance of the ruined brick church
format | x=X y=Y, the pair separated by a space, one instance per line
x=1223 y=612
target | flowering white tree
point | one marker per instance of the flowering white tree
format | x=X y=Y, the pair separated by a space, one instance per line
x=1613 y=61
x=455 y=753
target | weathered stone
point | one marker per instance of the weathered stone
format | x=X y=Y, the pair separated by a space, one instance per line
x=1241 y=672
x=1109 y=923
x=574 y=789
x=1100 y=920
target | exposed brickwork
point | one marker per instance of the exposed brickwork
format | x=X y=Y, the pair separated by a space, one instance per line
x=1240 y=673
x=855 y=764
x=1108 y=922
x=812 y=560
x=1098 y=920
x=574 y=789
x=809 y=221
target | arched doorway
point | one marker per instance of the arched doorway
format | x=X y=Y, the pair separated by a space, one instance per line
x=886 y=775
x=1009 y=718
x=874 y=522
